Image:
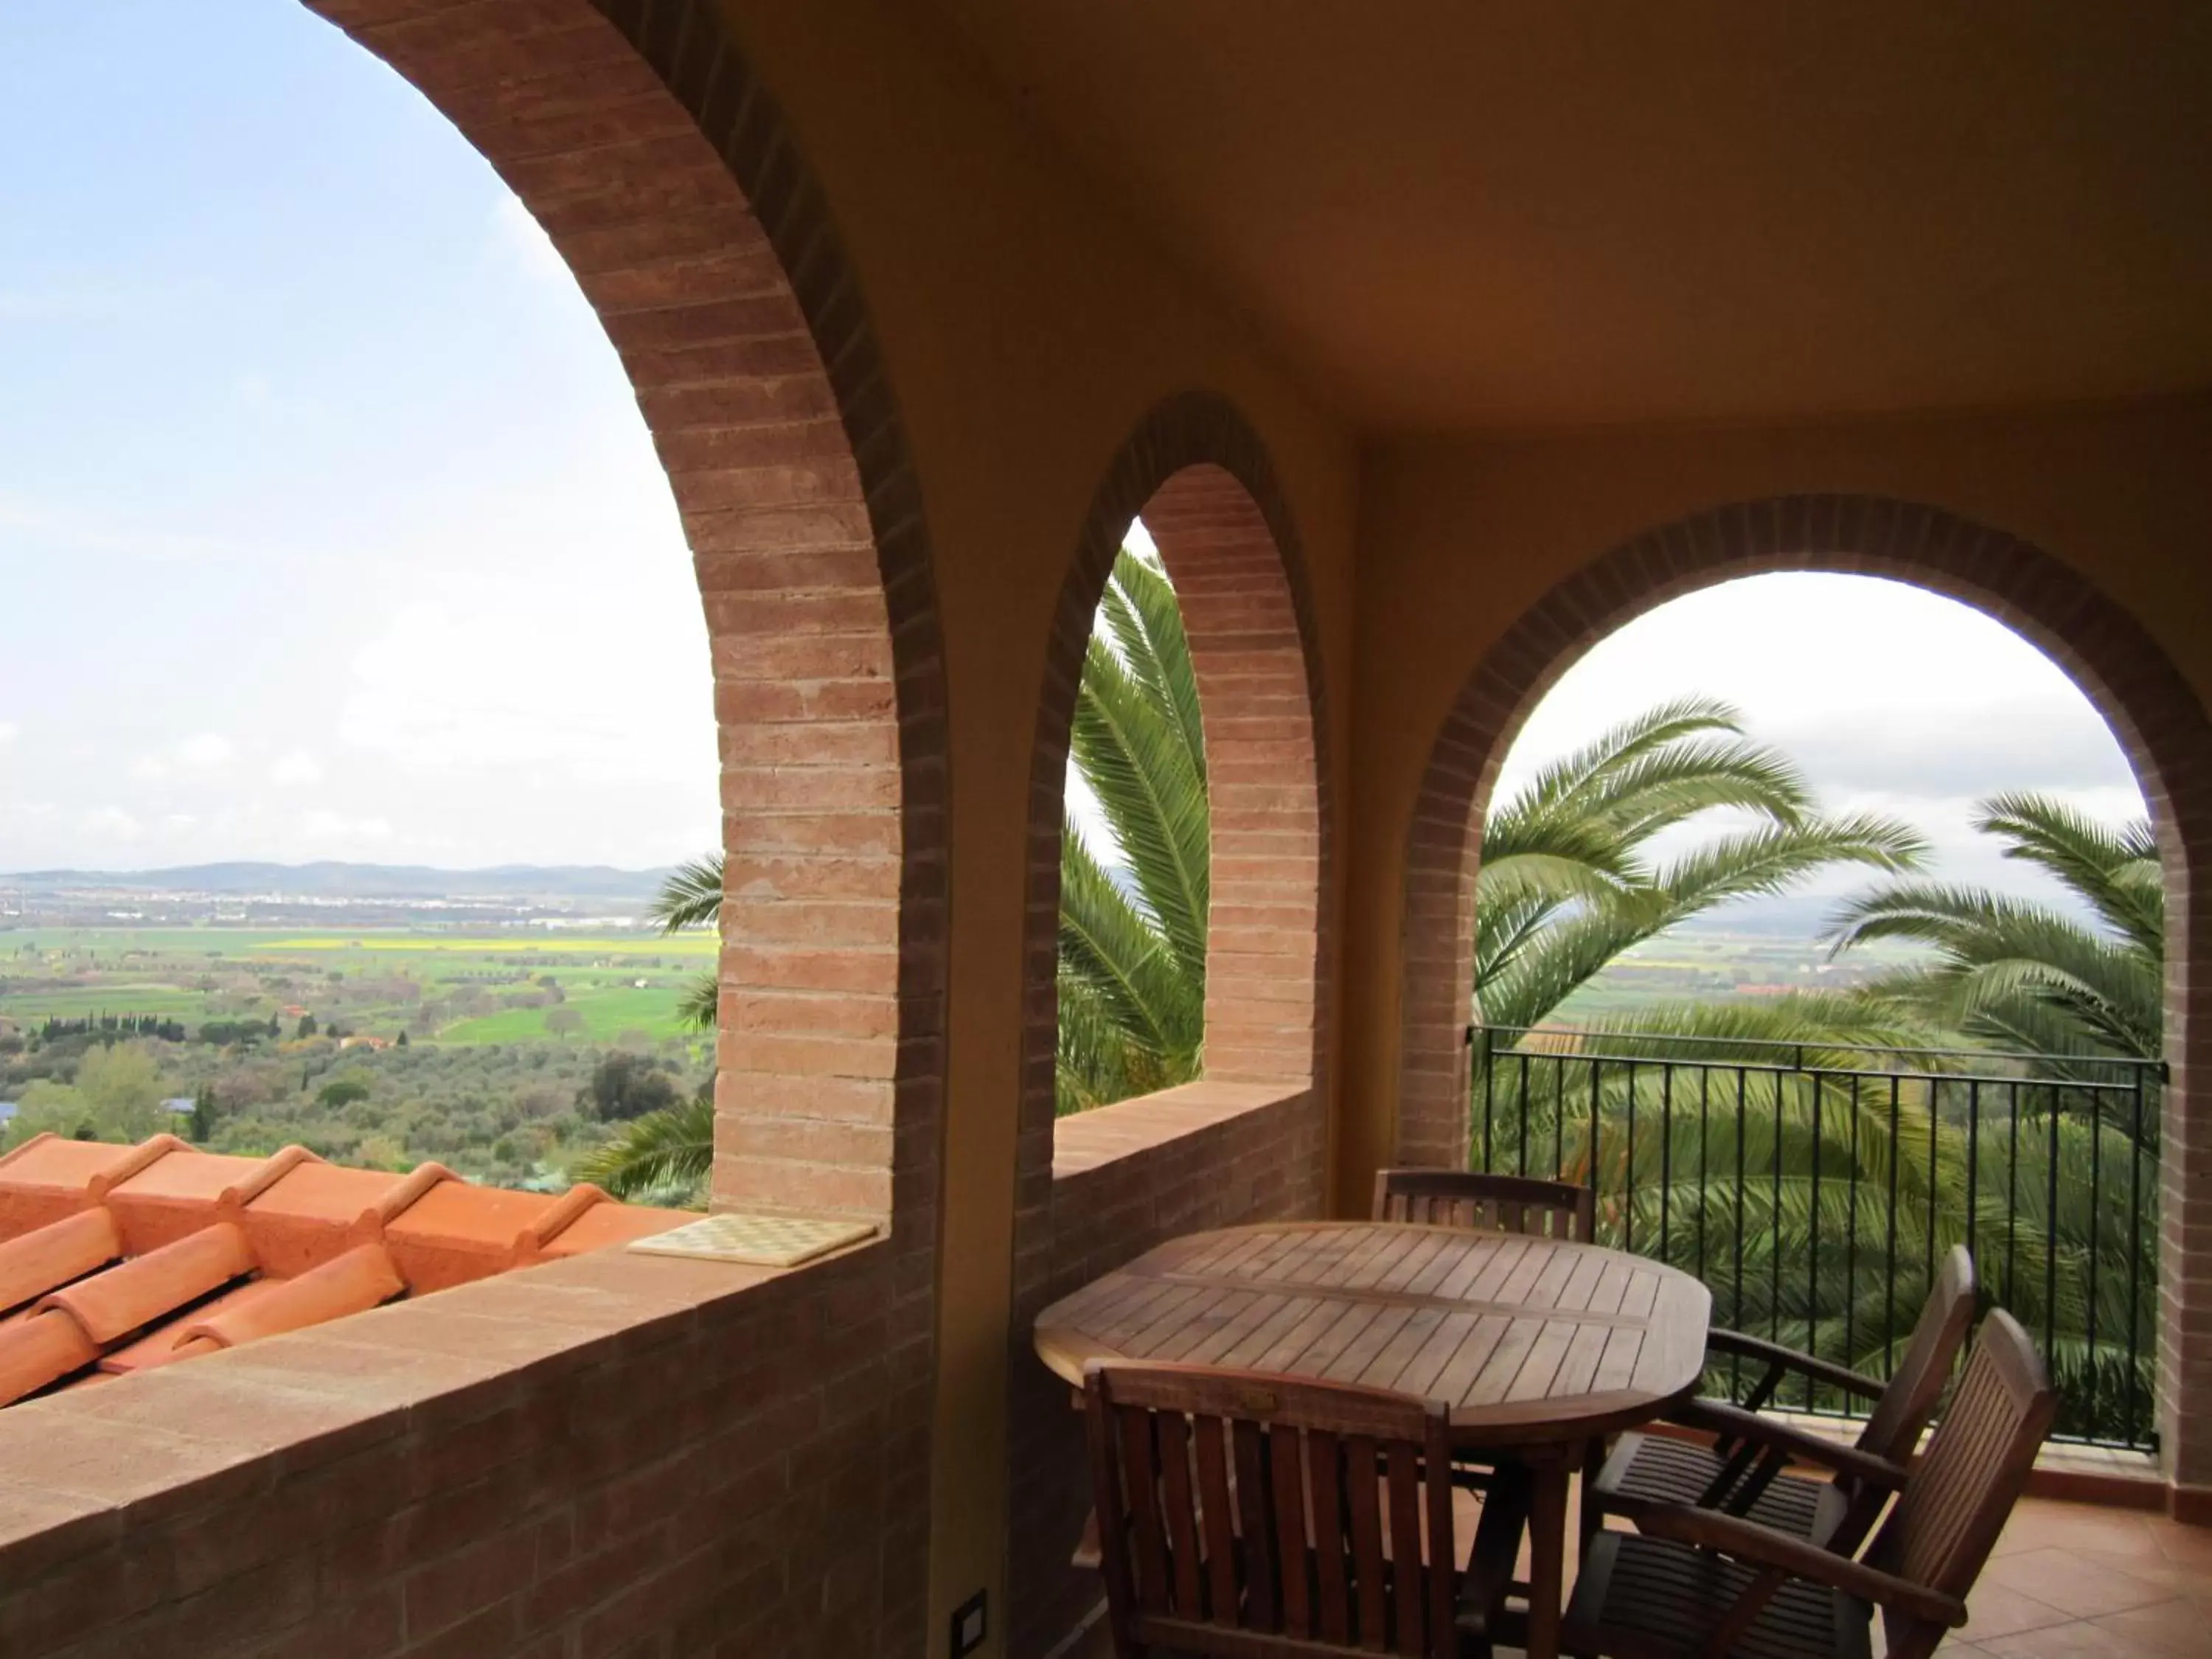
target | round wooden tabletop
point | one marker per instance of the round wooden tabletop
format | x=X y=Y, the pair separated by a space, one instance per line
x=1527 y=1339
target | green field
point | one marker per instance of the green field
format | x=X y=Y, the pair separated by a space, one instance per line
x=168 y=1001
x=444 y=987
x=609 y=1012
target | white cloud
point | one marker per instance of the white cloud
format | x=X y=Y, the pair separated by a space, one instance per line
x=322 y=824
x=297 y=767
x=110 y=823
x=206 y=751
x=9 y=731
x=205 y=754
x=474 y=685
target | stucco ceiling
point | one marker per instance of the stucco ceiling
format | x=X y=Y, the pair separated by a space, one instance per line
x=1566 y=212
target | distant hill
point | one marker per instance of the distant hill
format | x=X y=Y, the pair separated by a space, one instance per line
x=334 y=880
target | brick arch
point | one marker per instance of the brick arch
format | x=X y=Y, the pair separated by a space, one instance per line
x=2158 y=718
x=668 y=180
x=1200 y=477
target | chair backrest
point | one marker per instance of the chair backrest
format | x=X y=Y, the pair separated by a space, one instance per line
x=1893 y=1427
x=1237 y=1505
x=1976 y=1466
x=1498 y=1203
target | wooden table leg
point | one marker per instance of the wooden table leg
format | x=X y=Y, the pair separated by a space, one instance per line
x=1547 y=1544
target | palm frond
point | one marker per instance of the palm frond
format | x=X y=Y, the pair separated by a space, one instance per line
x=1557 y=787
x=700 y=1003
x=2012 y=971
x=1128 y=972
x=1131 y=751
x=691 y=897
x=1773 y=858
x=669 y=1149
x=2113 y=869
x=1139 y=610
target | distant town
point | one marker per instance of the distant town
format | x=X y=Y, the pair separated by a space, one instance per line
x=333 y=894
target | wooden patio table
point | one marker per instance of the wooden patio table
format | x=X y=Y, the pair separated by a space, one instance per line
x=1536 y=1344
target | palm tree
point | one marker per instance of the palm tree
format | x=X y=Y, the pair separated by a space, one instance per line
x=2071 y=1140
x=1132 y=973
x=1569 y=880
x=662 y=1158
x=691 y=897
x=665 y=1156
x=1729 y=1187
x=1812 y=1193
x=2021 y=975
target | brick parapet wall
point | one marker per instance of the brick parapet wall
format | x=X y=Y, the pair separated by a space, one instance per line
x=615 y=1454
x=1197 y=473
x=2158 y=718
x=1126 y=1177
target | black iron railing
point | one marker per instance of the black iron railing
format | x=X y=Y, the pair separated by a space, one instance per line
x=1814 y=1186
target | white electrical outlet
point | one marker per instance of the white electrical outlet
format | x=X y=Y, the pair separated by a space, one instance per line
x=969 y=1627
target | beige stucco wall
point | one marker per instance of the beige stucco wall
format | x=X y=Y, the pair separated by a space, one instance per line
x=1028 y=325
x=1027 y=328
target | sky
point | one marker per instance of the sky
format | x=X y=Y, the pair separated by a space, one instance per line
x=329 y=527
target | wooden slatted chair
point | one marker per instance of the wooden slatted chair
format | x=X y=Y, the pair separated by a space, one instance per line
x=1490 y=1203
x=1267 y=1517
x=1498 y=1203
x=1741 y=1473
x=1703 y=1583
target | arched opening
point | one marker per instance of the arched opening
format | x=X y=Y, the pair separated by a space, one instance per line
x=2157 y=722
x=665 y=182
x=1246 y=1140
x=349 y=574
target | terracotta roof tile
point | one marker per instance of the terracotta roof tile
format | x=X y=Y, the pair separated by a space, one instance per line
x=41 y=1349
x=159 y=1346
x=111 y=1305
x=47 y=1177
x=455 y=1233
x=176 y=1195
x=46 y=1258
x=113 y=1258
x=605 y=1226
x=356 y=1281
x=314 y=1210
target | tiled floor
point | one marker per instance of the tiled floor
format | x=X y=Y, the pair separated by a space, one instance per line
x=2072 y=1582
x=2068 y=1581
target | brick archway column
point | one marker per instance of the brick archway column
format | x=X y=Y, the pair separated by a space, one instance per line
x=1197 y=475
x=2160 y=722
x=1263 y=966
x=640 y=140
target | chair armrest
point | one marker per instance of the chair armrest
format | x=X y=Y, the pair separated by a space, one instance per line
x=1773 y=1354
x=1747 y=1541
x=1737 y=1423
